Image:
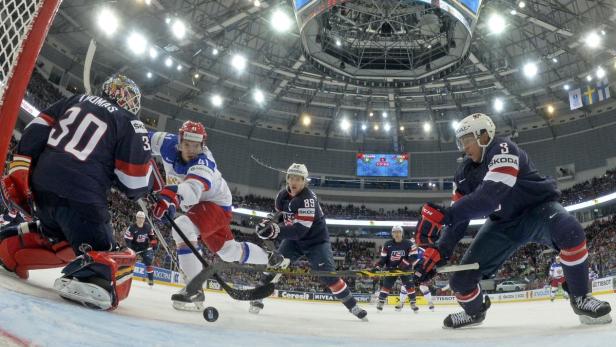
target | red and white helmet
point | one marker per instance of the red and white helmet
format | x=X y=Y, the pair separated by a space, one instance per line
x=193 y=131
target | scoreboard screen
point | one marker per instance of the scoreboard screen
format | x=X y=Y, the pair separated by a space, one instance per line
x=382 y=165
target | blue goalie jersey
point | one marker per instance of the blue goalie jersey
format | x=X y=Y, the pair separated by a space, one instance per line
x=82 y=145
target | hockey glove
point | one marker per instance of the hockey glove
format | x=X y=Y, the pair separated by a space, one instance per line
x=268 y=230
x=16 y=185
x=426 y=266
x=168 y=202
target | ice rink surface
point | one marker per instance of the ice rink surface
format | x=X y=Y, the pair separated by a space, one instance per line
x=32 y=314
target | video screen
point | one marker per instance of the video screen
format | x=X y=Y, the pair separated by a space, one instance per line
x=382 y=165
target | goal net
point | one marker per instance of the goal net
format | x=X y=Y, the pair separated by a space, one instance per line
x=23 y=27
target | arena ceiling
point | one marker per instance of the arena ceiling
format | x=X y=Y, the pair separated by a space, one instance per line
x=293 y=87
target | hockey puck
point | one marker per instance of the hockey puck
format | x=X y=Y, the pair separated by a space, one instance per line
x=210 y=314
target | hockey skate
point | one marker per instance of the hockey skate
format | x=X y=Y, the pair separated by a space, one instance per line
x=463 y=319
x=184 y=301
x=414 y=307
x=359 y=313
x=277 y=261
x=590 y=310
x=379 y=305
x=399 y=306
x=91 y=294
x=150 y=282
x=431 y=307
x=256 y=306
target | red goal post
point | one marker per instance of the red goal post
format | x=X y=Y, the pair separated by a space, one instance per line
x=23 y=27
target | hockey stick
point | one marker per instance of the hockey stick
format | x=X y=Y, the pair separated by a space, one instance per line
x=197 y=282
x=343 y=273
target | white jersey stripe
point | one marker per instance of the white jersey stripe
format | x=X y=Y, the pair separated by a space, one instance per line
x=500 y=177
x=134 y=182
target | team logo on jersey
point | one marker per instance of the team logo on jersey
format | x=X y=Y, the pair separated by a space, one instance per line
x=139 y=127
x=396 y=255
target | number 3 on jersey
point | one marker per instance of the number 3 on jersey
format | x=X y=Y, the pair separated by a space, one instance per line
x=72 y=115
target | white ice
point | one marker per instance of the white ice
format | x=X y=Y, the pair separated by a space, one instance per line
x=31 y=311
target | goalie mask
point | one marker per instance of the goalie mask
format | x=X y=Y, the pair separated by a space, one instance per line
x=124 y=92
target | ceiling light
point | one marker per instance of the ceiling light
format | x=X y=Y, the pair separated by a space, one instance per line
x=168 y=62
x=258 y=96
x=216 y=100
x=554 y=60
x=530 y=70
x=338 y=42
x=178 y=28
x=306 y=120
x=550 y=109
x=498 y=104
x=257 y=3
x=107 y=21
x=214 y=51
x=137 y=43
x=238 y=62
x=364 y=127
x=496 y=23
x=281 y=21
x=345 y=124
x=521 y=4
x=566 y=87
x=600 y=72
x=513 y=12
x=148 y=2
x=402 y=128
x=167 y=20
x=588 y=78
x=179 y=67
x=603 y=32
x=592 y=40
x=149 y=74
x=376 y=127
x=427 y=127
x=386 y=127
x=196 y=75
x=384 y=114
x=454 y=125
x=372 y=114
x=153 y=53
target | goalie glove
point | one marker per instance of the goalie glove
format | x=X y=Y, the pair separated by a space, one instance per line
x=267 y=230
x=168 y=202
x=16 y=184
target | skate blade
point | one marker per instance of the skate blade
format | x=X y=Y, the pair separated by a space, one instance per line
x=188 y=306
x=86 y=294
x=607 y=319
x=285 y=264
x=254 y=310
x=464 y=327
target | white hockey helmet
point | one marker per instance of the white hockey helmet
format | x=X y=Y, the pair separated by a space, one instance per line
x=475 y=124
x=397 y=228
x=298 y=170
x=140 y=214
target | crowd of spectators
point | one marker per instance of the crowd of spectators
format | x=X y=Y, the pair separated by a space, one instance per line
x=530 y=263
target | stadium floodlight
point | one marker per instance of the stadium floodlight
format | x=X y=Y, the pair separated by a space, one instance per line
x=281 y=21
x=402 y=128
x=372 y=113
x=550 y=109
x=554 y=60
x=137 y=43
x=258 y=96
x=530 y=69
x=566 y=87
x=148 y=2
x=108 y=21
x=215 y=51
x=345 y=124
x=306 y=120
x=257 y=3
x=496 y=23
x=149 y=74
x=179 y=67
x=454 y=125
x=592 y=39
x=196 y=75
x=521 y=4
x=338 y=42
x=600 y=72
x=167 y=20
x=153 y=53
x=216 y=100
x=513 y=12
x=178 y=28
x=364 y=127
x=589 y=78
x=384 y=114
x=386 y=127
x=238 y=62
x=168 y=62
x=498 y=104
x=376 y=127
x=427 y=127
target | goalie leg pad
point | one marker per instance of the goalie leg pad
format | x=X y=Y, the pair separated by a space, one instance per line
x=30 y=251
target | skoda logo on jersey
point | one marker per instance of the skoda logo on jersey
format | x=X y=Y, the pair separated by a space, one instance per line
x=503 y=160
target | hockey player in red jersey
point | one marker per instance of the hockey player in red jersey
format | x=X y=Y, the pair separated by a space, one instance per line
x=66 y=162
x=521 y=206
x=195 y=186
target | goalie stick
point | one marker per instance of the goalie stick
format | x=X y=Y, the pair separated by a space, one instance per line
x=208 y=271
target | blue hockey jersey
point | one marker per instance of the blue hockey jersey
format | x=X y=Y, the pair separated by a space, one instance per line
x=395 y=253
x=303 y=219
x=82 y=145
x=138 y=239
x=510 y=186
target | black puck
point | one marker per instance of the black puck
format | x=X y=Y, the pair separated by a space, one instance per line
x=210 y=314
